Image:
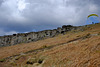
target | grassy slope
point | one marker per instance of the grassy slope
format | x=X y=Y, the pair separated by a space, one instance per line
x=84 y=52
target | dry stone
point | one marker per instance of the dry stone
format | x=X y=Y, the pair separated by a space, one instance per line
x=33 y=36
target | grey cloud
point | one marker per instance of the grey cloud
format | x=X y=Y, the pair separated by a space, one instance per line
x=44 y=14
x=1 y=2
x=97 y=2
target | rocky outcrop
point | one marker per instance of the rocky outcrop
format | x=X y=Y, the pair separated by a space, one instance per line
x=33 y=36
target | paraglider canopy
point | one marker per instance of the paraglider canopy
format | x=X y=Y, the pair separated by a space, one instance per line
x=92 y=15
x=92 y=19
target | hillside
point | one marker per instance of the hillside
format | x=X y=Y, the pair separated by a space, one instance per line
x=75 y=48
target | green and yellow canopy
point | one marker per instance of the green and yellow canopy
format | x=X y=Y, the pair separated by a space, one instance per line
x=92 y=15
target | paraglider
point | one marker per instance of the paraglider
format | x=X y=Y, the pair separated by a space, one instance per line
x=92 y=19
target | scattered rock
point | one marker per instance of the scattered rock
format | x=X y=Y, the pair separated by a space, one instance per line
x=31 y=61
x=87 y=36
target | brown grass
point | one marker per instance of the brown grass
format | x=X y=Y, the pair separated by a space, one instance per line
x=81 y=53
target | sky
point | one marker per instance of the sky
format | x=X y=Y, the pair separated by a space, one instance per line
x=21 y=16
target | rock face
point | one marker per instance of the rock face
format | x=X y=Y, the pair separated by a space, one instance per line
x=33 y=36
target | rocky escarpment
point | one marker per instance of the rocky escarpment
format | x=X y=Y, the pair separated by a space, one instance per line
x=33 y=36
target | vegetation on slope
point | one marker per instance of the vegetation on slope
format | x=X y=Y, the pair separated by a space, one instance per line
x=74 y=49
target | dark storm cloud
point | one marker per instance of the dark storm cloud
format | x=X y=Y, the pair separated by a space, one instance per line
x=34 y=15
